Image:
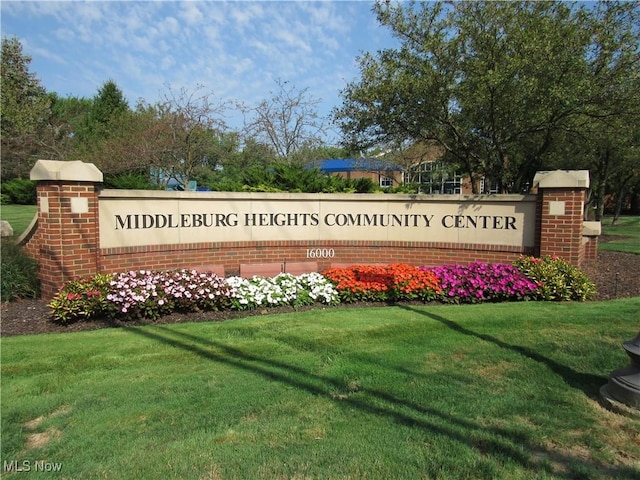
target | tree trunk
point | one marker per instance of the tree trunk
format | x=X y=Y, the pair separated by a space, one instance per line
x=618 y=209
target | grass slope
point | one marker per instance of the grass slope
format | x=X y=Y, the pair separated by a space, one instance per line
x=18 y=216
x=628 y=229
x=482 y=391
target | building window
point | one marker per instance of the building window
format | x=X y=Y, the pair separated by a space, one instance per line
x=452 y=185
x=486 y=187
x=435 y=177
x=386 y=182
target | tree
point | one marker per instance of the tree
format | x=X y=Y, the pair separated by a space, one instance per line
x=178 y=137
x=69 y=115
x=610 y=151
x=25 y=111
x=495 y=85
x=99 y=129
x=137 y=142
x=193 y=131
x=614 y=63
x=107 y=107
x=288 y=121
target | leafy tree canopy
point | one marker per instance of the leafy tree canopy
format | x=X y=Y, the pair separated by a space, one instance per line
x=107 y=108
x=494 y=85
x=24 y=111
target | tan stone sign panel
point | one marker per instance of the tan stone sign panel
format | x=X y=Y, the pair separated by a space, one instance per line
x=136 y=218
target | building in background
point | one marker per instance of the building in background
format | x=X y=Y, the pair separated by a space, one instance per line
x=382 y=172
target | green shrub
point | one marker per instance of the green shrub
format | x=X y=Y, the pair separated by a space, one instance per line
x=18 y=274
x=282 y=177
x=19 y=191
x=405 y=188
x=557 y=279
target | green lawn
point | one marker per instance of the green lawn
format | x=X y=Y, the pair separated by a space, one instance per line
x=628 y=231
x=19 y=216
x=450 y=392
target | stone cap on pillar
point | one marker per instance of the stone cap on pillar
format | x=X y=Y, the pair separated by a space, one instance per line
x=75 y=170
x=591 y=229
x=562 y=179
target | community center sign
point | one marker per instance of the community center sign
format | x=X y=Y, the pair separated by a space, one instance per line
x=137 y=218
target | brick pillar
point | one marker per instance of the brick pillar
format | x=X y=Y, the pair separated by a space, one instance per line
x=590 y=233
x=561 y=202
x=66 y=242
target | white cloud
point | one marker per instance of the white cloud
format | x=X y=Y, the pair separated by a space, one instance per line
x=235 y=49
x=292 y=40
x=45 y=53
x=168 y=26
x=243 y=66
x=64 y=33
x=167 y=62
x=191 y=12
x=246 y=14
x=89 y=12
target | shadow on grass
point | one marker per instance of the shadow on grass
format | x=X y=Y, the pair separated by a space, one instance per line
x=485 y=440
x=587 y=383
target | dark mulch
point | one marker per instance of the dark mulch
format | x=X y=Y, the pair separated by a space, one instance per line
x=616 y=275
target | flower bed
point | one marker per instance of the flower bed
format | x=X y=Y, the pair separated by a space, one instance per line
x=385 y=283
x=482 y=282
x=283 y=289
x=151 y=294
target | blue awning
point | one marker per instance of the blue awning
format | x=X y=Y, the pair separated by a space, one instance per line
x=336 y=165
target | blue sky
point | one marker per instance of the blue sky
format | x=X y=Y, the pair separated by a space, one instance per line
x=237 y=50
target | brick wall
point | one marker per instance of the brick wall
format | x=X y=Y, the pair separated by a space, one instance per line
x=232 y=255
